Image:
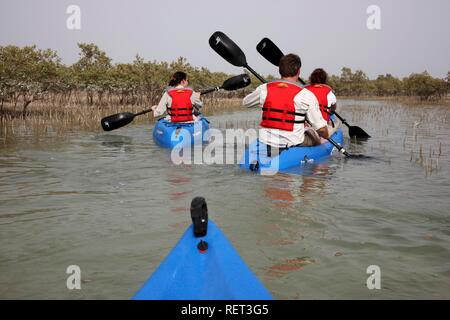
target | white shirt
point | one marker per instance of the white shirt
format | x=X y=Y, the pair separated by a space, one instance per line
x=331 y=99
x=305 y=102
x=166 y=101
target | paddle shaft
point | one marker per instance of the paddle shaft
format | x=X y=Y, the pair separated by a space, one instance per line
x=339 y=147
x=122 y=119
x=142 y=112
x=210 y=90
x=246 y=66
x=340 y=118
x=201 y=93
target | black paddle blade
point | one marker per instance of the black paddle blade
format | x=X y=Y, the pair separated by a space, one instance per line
x=354 y=131
x=237 y=82
x=270 y=51
x=227 y=49
x=117 y=121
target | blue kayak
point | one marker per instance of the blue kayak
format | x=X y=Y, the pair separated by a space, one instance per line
x=256 y=158
x=171 y=134
x=215 y=274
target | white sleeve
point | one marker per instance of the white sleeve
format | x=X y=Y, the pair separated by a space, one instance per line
x=313 y=113
x=195 y=100
x=331 y=98
x=256 y=98
x=162 y=105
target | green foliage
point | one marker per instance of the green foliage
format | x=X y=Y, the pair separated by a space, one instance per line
x=425 y=86
x=388 y=85
x=350 y=83
x=358 y=84
x=28 y=74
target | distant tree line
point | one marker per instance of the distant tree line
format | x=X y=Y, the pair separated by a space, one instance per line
x=421 y=85
x=30 y=74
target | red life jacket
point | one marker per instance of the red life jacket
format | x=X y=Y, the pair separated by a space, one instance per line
x=181 y=107
x=279 y=108
x=321 y=92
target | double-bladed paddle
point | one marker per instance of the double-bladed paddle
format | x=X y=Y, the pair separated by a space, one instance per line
x=119 y=120
x=273 y=54
x=230 y=51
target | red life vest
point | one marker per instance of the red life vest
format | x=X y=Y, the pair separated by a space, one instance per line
x=279 y=108
x=181 y=107
x=321 y=92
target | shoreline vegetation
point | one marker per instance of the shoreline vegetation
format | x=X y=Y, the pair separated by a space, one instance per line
x=36 y=89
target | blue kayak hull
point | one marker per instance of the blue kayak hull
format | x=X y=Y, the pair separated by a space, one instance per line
x=168 y=134
x=256 y=153
x=217 y=274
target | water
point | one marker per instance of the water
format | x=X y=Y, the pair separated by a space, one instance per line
x=114 y=204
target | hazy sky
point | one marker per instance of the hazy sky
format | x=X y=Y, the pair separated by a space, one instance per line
x=414 y=34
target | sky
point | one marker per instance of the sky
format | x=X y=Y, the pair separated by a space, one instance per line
x=413 y=36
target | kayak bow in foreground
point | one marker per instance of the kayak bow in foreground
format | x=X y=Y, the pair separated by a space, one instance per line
x=203 y=267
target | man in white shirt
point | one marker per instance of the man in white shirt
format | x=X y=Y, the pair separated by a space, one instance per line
x=286 y=106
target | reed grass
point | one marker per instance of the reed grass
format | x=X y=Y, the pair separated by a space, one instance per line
x=417 y=132
x=43 y=118
x=408 y=100
x=419 y=142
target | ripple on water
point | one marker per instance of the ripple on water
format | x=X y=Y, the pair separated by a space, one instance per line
x=114 y=204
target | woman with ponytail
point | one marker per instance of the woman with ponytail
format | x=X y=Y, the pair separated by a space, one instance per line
x=325 y=96
x=178 y=100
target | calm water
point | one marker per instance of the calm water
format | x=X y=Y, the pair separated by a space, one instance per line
x=114 y=204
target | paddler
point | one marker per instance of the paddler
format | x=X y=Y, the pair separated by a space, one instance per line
x=179 y=100
x=286 y=106
x=327 y=99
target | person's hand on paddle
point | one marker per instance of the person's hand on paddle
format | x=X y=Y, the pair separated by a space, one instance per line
x=333 y=108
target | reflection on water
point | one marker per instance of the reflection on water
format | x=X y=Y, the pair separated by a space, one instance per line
x=300 y=186
x=114 y=204
x=282 y=268
x=117 y=142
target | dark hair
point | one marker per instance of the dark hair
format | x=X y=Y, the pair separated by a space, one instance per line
x=318 y=76
x=289 y=65
x=177 y=78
